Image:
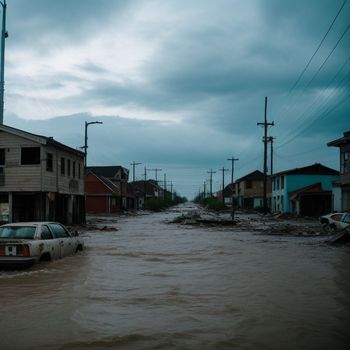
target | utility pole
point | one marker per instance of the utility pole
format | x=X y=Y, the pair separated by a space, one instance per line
x=156 y=170
x=86 y=139
x=223 y=183
x=233 y=160
x=270 y=139
x=211 y=172
x=265 y=124
x=164 y=193
x=4 y=35
x=145 y=186
x=133 y=170
x=171 y=189
x=205 y=189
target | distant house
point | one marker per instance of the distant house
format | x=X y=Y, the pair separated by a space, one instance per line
x=106 y=189
x=102 y=195
x=229 y=194
x=303 y=191
x=249 y=190
x=341 y=188
x=144 y=190
x=40 y=179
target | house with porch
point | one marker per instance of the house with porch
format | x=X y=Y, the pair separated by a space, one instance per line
x=304 y=191
x=341 y=188
x=41 y=179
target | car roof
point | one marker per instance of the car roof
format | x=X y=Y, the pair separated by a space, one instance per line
x=32 y=223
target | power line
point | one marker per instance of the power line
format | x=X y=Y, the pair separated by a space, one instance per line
x=317 y=119
x=324 y=62
x=318 y=47
x=324 y=100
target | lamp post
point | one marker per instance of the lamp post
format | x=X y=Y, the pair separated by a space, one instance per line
x=4 y=35
x=86 y=138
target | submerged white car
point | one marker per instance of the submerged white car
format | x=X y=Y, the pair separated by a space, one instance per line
x=335 y=221
x=26 y=243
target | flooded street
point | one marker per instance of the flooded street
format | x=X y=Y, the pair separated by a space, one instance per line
x=154 y=285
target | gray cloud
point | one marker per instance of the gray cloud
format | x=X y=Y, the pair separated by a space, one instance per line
x=209 y=63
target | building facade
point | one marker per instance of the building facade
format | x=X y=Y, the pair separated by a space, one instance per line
x=341 y=188
x=40 y=179
x=249 y=190
x=102 y=195
x=287 y=184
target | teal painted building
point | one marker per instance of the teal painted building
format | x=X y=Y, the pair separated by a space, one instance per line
x=306 y=190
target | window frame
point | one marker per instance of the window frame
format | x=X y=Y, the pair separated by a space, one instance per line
x=63 y=166
x=37 y=161
x=49 y=162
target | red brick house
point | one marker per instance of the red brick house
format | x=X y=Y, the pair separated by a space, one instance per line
x=102 y=195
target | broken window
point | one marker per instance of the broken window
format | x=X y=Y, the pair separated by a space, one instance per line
x=2 y=156
x=30 y=155
x=63 y=166
x=49 y=162
x=248 y=184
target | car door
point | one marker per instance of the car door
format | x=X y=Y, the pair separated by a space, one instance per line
x=52 y=245
x=66 y=242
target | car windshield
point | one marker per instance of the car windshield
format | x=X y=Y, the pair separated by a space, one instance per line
x=17 y=232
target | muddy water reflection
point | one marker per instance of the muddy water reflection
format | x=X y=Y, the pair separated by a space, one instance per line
x=151 y=285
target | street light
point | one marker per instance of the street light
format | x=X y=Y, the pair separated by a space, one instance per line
x=86 y=138
x=4 y=35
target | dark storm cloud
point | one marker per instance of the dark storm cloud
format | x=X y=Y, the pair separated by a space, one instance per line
x=208 y=63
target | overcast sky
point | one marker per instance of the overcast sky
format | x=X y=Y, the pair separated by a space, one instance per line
x=180 y=85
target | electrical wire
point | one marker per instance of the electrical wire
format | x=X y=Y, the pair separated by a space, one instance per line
x=318 y=47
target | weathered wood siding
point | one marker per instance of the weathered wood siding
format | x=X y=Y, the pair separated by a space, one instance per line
x=33 y=178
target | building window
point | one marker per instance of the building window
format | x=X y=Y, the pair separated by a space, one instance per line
x=278 y=184
x=30 y=155
x=248 y=184
x=79 y=170
x=49 y=162
x=274 y=184
x=73 y=169
x=68 y=167
x=2 y=156
x=63 y=166
x=282 y=182
x=344 y=162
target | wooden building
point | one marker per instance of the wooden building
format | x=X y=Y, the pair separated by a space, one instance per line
x=40 y=179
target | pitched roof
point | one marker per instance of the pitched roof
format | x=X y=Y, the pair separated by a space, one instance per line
x=254 y=175
x=229 y=190
x=314 y=169
x=345 y=140
x=315 y=189
x=150 y=186
x=40 y=139
x=107 y=171
x=106 y=182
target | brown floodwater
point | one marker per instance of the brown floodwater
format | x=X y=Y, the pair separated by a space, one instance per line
x=154 y=285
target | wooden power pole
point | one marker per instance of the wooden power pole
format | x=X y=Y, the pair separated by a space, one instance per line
x=265 y=124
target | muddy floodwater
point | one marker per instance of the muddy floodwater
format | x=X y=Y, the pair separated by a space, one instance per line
x=155 y=285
